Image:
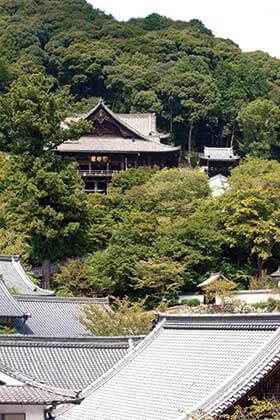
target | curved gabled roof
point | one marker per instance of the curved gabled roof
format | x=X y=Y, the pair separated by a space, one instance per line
x=188 y=363
x=141 y=135
x=16 y=278
x=134 y=131
x=9 y=307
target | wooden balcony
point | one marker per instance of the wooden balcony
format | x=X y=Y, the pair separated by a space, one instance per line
x=97 y=173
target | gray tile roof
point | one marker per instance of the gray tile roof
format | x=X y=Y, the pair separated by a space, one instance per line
x=63 y=363
x=9 y=307
x=30 y=395
x=109 y=144
x=53 y=316
x=144 y=135
x=16 y=278
x=219 y=153
x=145 y=123
x=213 y=277
x=18 y=388
x=189 y=362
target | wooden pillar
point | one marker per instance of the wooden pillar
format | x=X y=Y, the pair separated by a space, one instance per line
x=125 y=163
x=95 y=186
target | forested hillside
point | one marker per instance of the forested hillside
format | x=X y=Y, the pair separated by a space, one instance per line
x=196 y=82
x=156 y=232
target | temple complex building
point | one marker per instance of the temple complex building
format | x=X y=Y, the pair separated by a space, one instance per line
x=218 y=160
x=32 y=311
x=116 y=143
x=191 y=366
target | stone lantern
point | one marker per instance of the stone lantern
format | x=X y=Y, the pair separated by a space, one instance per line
x=275 y=277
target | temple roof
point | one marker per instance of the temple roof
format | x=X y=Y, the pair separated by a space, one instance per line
x=214 y=277
x=18 y=388
x=31 y=395
x=137 y=133
x=16 y=278
x=219 y=154
x=186 y=364
x=53 y=316
x=143 y=123
x=108 y=144
x=9 y=307
x=67 y=364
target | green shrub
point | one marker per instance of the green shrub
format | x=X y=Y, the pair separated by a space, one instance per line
x=272 y=305
x=191 y=302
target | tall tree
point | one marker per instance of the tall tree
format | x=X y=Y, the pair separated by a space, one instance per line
x=31 y=114
x=43 y=194
x=188 y=98
x=47 y=204
x=260 y=123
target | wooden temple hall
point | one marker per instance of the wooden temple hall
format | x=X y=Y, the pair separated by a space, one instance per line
x=116 y=143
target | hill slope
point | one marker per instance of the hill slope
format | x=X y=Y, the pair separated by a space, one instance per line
x=178 y=69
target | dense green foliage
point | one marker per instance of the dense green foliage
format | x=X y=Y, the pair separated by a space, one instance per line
x=156 y=232
x=196 y=82
x=154 y=239
x=255 y=410
x=42 y=199
x=121 y=318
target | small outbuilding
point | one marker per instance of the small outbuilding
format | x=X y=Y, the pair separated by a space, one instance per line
x=218 y=160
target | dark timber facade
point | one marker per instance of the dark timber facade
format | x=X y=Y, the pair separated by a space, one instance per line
x=116 y=143
x=218 y=160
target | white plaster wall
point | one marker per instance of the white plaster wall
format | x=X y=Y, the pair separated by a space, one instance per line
x=248 y=296
x=31 y=412
x=252 y=296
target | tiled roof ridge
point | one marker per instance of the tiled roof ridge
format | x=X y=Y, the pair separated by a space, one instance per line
x=8 y=257
x=28 y=380
x=62 y=299
x=254 y=318
x=135 y=114
x=81 y=342
x=239 y=384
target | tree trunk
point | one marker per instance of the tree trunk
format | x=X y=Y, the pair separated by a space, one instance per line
x=46 y=273
x=232 y=137
x=190 y=143
x=260 y=265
